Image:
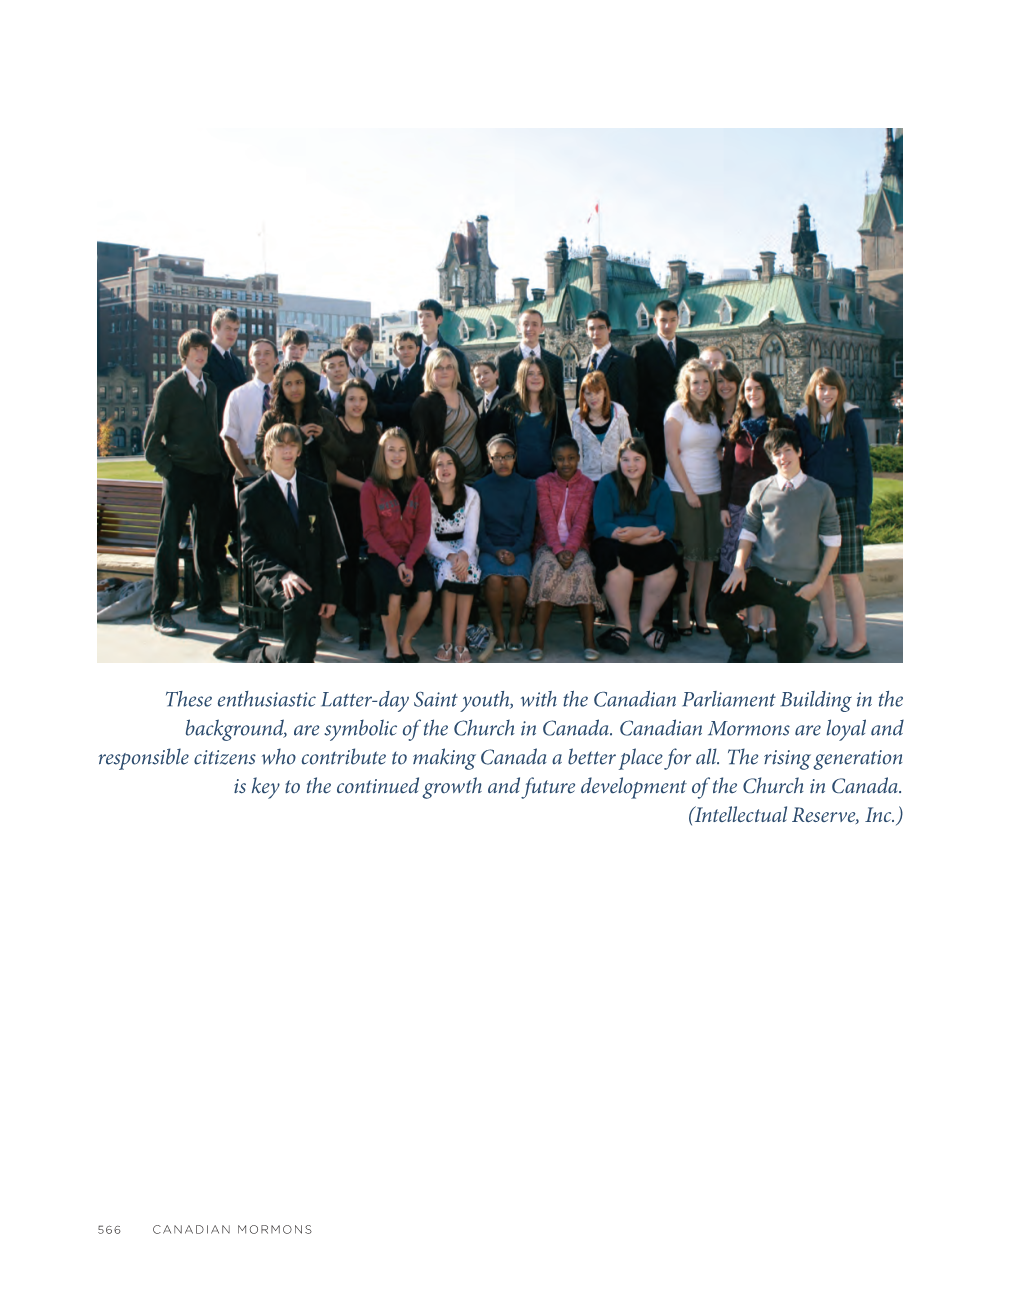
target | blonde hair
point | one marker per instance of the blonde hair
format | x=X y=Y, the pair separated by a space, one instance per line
x=826 y=378
x=710 y=407
x=379 y=474
x=436 y=357
x=277 y=433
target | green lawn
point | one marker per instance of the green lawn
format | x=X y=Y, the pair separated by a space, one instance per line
x=884 y=486
x=126 y=470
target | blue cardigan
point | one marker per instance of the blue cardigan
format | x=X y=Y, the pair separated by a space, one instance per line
x=608 y=514
x=843 y=462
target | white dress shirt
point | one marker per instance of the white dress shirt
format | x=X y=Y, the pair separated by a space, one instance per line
x=284 y=482
x=195 y=381
x=242 y=416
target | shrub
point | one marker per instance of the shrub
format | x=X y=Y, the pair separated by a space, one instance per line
x=887 y=458
x=886 y=520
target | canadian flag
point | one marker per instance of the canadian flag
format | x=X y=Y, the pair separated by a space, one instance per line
x=595 y=212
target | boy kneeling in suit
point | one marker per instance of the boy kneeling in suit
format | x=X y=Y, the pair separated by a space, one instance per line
x=788 y=545
x=291 y=541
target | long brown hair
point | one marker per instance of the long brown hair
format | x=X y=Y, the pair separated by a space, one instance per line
x=459 y=488
x=546 y=397
x=710 y=409
x=595 y=382
x=827 y=378
x=632 y=501
x=773 y=409
x=379 y=474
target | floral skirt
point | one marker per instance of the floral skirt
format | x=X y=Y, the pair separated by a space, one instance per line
x=731 y=538
x=570 y=587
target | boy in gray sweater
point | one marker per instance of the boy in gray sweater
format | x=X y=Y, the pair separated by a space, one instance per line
x=788 y=545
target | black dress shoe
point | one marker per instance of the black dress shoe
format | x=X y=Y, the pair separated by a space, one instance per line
x=827 y=649
x=811 y=630
x=217 y=617
x=237 y=648
x=364 y=637
x=164 y=623
x=739 y=654
x=845 y=655
x=225 y=567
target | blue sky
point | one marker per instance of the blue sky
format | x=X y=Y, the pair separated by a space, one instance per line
x=367 y=215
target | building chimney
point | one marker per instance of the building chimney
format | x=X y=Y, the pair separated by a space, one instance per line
x=553 y=273
x=599 y=278
x=538 y=294
x=861 y=286
x=520 y=295
x=696 y=278
x=768 y=266
x=677 y=279
x=456 y=296
x=820 y=287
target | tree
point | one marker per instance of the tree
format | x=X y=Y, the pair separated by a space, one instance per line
x=104 y=438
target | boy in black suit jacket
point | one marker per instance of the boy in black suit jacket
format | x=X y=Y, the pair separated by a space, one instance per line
x=227 y=372
x=657 y=364
x=182 y=442
x=530 y=324
x=430 y=316
x=292 y=544
x=398 y=388
x=617 y=367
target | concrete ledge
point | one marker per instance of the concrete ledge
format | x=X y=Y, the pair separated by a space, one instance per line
x=883 y=571
x=131 y=567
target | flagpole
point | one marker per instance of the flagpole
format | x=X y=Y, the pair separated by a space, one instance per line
x=598 y=208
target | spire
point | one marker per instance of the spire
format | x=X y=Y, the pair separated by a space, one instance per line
x=889 y=165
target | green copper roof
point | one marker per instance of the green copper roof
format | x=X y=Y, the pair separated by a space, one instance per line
x=890 y=195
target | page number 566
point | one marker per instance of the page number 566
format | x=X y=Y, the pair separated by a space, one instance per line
x=108 y=1228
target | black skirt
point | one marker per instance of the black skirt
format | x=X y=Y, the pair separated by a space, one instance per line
x=385 y=580
x=642 y=559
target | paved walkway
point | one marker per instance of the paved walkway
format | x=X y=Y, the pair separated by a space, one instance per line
x=136 y=641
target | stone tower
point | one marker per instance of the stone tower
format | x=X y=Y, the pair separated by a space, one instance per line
x=804 y=244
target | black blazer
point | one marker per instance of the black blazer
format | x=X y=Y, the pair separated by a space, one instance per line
x=509 y=364
x=656 y=379
x=273 y=545
x=227 y=372
x=621 y=375
x=182 y=429
x=462 y=364
x=394 y=398
x=428 y=424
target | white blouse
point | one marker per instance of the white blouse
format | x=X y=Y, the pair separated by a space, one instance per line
x=698 y=445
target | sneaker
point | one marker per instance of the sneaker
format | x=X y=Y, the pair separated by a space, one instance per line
x=164 y=623
x=476 y=636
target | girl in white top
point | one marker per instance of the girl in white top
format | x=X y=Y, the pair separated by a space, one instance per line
x=599 y=427
x=453 y=551
x=692 y=442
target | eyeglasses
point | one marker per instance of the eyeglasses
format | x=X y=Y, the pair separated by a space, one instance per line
x=502 y=458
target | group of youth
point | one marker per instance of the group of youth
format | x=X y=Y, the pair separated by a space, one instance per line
x=503 y=497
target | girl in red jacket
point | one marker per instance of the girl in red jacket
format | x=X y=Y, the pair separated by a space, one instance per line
x=396 y=518
x=563 y=573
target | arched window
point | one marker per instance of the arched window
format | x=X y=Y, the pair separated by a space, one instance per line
x=686 y=314
x=136 y=440
x=773 y=357
x=568 y=319
x=725 y=312
x=491 y=330
x=843 y=314
x=119 y=439
x=897 y=365
x=463 y=331
x=815 y=353
x=852 y=393
x=860 y=361
x=569 y=358
x=642 y=316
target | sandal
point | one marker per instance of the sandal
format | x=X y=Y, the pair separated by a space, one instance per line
x=616 y=640
x=684 y=631
x=702 y=629
x=462 y=656
x=444 y=652
x=654 y=638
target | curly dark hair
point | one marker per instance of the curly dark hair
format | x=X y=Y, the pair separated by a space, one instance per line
x=281 y=408
x=773 y=409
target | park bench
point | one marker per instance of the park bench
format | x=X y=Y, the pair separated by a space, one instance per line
x=127 y=517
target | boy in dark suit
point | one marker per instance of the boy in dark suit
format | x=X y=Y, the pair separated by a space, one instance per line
x=398 y=388
x=182 y=442
x=605 y=358
x=226 y=372
x=430 y=316
x=657 y=364
x=789 y=518
x=530 y=325
x=292 y=544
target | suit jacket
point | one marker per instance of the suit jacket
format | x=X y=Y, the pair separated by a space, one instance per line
x=462 y=364
x=272 y=545
x=485 y=427
x=183 y=430
x=509 y=363
x=656 y=380
x=621 y=375
x=227 y=372
x=394 y=398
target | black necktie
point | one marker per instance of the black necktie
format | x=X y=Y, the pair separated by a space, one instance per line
x=425 y=353
x=672 y=353
x=292 y=502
